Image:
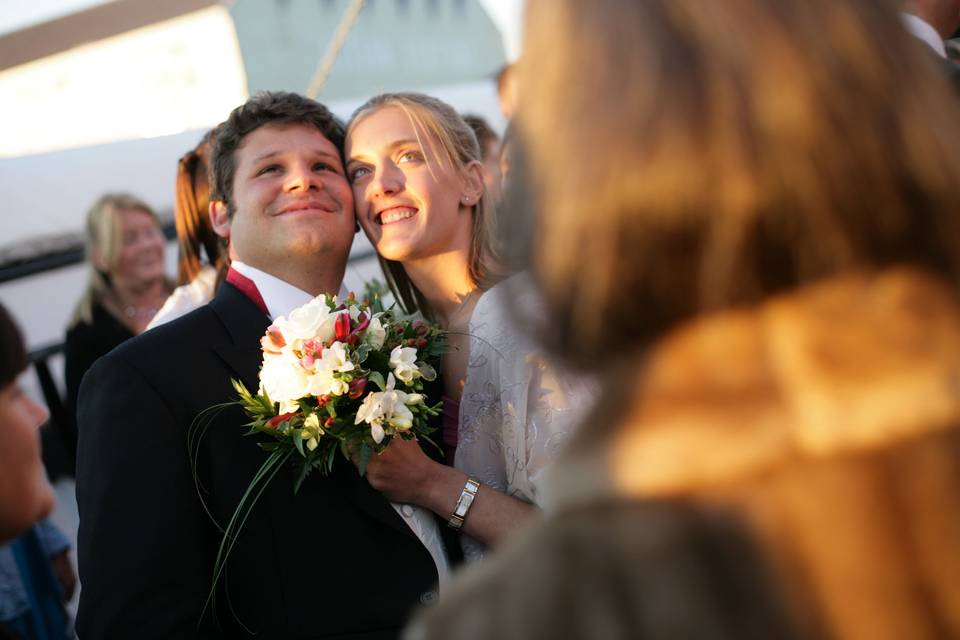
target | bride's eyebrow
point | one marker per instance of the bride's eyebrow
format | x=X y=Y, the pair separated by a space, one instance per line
x=390 y=148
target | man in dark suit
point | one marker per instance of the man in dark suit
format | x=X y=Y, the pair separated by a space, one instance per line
x=334 y=560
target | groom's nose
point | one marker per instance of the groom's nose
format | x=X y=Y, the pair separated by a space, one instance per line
x=302 y=177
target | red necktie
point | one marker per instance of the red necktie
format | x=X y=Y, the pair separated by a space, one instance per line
x=248 y=288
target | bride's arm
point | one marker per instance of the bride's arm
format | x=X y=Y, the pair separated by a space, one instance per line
x=404 y=473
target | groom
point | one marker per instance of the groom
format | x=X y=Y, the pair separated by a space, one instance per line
x=335 y=560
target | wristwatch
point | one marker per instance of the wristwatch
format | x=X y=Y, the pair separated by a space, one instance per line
x=467 y=497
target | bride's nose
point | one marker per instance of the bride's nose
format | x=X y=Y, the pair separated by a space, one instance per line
x=387 y=180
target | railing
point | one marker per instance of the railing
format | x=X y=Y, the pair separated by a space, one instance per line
x=59 y=440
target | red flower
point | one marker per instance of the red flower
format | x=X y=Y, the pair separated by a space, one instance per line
x=342 y=327
x=329 y=421
x=357 y=387
x=276 y=421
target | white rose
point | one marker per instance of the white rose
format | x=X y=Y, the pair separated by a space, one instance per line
x=403 y=361
x=283 y=379
x=312 y=320
x=375 y=334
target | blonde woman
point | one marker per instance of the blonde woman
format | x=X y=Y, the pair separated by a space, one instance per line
x=126 y=284
x=419 y=196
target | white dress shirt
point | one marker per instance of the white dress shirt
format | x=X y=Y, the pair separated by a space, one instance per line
x=281 y=298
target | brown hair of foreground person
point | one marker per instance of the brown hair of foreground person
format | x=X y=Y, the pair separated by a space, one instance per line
x=746 y=221
x=774 y=222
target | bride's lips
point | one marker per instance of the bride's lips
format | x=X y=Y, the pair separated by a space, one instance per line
x=396 y=213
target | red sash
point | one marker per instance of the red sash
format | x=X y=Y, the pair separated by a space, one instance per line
x=248 y=287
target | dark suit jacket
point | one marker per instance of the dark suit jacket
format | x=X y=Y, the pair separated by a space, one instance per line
x=333 y=561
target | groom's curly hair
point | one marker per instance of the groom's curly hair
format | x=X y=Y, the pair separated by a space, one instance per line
x=267 y=107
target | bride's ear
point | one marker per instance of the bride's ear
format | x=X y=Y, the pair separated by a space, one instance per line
x=472 y=184
x=220 y=218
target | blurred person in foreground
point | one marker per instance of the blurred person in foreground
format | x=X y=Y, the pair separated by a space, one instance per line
x=125 y=287
x=202 y=260
x=30 y=596
x=758 y=251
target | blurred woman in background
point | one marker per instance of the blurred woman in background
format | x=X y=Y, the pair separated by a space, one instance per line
x=125 y=288
x=745 y=220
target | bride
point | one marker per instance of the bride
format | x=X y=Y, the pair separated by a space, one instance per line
x=418 y=189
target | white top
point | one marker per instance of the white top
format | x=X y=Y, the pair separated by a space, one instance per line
x=517 y=409
x=925 y=32
x=187 y=297
x=281 y=298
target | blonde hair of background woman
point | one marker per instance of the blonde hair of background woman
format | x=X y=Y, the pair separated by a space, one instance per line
x=104 y=241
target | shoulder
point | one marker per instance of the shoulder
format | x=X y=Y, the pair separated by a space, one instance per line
x=640 y=566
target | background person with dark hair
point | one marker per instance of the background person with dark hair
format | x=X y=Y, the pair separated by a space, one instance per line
x=202 y=261
x=30 y=596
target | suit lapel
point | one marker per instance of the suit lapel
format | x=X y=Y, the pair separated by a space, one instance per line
x=245 y=324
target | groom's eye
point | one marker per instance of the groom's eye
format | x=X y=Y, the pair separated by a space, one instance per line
x=270 y=168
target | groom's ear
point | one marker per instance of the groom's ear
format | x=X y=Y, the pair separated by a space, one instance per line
x=220 y=218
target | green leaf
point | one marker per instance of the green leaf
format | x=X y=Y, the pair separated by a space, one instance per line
x=363 y=352
x=298 y=441
x=376 y=378
x=364 y=458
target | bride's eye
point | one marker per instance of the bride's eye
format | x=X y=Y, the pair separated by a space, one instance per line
x=358 y=172
x=410 y=156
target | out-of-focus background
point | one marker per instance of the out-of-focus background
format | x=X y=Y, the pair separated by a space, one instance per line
x=105 y=96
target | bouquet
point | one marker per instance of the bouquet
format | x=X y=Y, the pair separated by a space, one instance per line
x=335 y=377
x=341 y=377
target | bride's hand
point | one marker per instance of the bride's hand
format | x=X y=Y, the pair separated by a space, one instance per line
x=402 y=472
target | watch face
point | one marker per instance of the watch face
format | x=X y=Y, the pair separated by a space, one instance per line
x=465 y=501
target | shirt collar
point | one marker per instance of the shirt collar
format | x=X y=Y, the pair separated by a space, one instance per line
x=280 y=297
x=923 y=31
